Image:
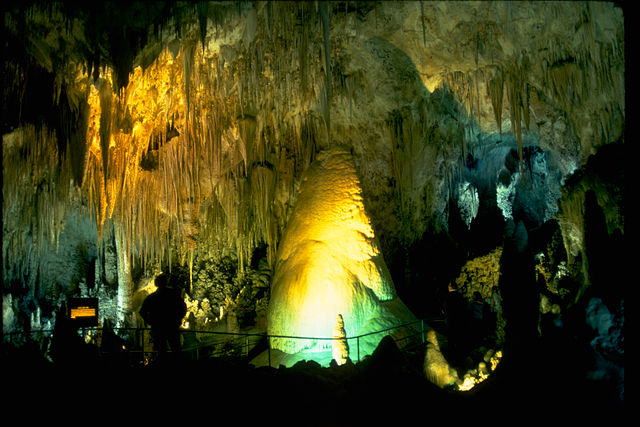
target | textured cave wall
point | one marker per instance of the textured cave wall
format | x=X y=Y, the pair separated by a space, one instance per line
x=592 y=220
x=178 y=126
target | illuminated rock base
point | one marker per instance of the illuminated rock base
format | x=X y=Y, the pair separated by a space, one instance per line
x=329 y=263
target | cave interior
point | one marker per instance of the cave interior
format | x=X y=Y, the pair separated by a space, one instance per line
x=402 y=147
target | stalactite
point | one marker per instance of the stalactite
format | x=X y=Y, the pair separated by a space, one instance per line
x=36 y=196
x=495 y=91
x=245 y=121
x=105 y=126
x=202 y=12
x=424 y=27
x=303 y=54
x=461 y=84
x=188 y=59
x=517 y=99
x=324 y=15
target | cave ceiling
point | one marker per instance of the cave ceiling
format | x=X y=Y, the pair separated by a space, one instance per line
x=183 y=123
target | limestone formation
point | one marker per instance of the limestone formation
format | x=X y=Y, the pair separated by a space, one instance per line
x=329 y=262
x=340 y=346
x=436 y=368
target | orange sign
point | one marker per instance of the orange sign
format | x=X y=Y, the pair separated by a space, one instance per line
x=83 y=311
x=78 y=312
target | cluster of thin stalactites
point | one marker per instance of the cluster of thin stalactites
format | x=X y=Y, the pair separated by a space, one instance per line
x=226 y=131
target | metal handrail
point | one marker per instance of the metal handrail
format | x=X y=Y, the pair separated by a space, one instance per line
x=241 y=334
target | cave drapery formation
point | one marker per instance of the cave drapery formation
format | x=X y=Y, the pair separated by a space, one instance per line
x=139 y=135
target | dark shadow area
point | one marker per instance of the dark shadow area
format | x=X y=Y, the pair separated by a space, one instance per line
x=389 y=383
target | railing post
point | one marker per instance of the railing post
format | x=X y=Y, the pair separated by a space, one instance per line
x=422 y=329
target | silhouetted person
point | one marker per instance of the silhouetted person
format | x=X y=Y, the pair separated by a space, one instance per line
x=163 y=310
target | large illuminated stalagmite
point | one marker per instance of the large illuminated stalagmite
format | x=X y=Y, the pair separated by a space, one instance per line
x=328 y=261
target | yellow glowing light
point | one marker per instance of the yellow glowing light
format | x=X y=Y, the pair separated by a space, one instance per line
x=476 y=376
x=117 y=185
x=468 y=384
x=328 y=263
x=89 y=337
x=495 y=359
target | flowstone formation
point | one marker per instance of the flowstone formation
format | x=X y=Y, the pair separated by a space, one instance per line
x=329 y=262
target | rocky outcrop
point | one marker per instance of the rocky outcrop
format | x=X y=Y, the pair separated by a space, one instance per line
x=480 y=274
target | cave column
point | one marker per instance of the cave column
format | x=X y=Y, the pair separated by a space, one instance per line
x=125 y=292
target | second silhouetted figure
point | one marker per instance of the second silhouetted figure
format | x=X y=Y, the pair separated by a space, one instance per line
x=163 y=310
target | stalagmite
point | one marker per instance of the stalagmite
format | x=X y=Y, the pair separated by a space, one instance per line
x=329 y=261
x=125 y=290
x=436 y=368
x=340 y=346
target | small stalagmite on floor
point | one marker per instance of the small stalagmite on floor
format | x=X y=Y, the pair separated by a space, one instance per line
x=340 y=348
x=436 y=368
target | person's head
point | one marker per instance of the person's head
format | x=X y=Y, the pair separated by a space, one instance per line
x=477 y=296
x=161 y=281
